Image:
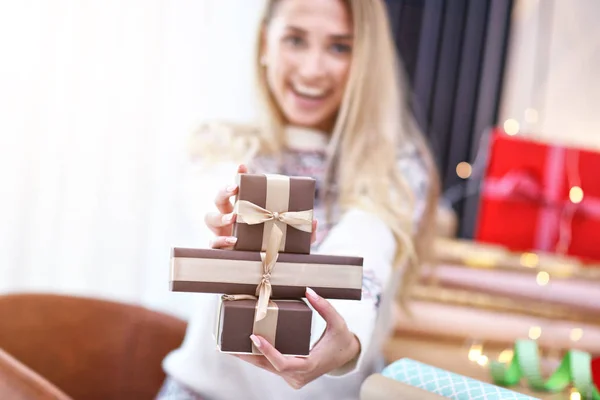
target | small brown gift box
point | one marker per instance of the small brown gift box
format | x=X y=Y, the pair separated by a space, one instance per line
x=240 y=272
x=287 y=326
x=267 y=199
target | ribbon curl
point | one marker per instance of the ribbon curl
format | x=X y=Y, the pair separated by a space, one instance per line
x=574 y=369
x=252 y=214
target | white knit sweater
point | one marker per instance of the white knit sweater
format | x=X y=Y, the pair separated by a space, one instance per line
x=217 y=376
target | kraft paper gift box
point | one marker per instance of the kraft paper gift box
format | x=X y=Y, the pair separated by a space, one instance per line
x=540 y=197
x=287 y=325
x=264 y=200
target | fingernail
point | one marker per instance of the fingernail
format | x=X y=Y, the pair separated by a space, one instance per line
x=312 y=294
x=255 y=341
x=227 y=218
x=231 y=188
x=231 y=240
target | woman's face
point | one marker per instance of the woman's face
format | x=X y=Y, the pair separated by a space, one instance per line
x=306 y=52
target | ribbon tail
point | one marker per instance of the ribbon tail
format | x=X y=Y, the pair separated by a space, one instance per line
x=263 y=301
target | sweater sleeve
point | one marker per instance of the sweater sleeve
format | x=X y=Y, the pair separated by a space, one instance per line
x=359 y=233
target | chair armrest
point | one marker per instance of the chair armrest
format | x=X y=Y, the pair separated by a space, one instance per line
x=18 y=382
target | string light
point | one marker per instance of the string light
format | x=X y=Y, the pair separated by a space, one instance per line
x=575 y=395
x=542 y=278
x=535 y=332
x=506 y=356
x=511 y=127
x=531 y=115
x=576 y=194
x=576 y=334
x=464 y=170
x=529 y=260
x=482 y=360
x=475 y=352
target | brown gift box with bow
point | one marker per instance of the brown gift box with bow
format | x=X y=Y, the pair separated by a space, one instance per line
x=255 y=282
x=264 y=200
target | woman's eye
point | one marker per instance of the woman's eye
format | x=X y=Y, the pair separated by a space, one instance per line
x=341 y=48
x=294 y=40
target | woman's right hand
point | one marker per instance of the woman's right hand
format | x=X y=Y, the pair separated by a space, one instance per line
x=221 y=222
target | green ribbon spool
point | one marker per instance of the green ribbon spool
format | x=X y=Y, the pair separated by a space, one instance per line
x=574 y=369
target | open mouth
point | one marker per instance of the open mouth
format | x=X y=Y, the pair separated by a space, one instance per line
x=309 y=92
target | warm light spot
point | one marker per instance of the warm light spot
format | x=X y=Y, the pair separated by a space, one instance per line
x=531 y=115
x=535 y=332
x=511 y=126
x=482 y=360
x=575 y=395
x=464 y=170
x=576 y=194
x=542 y=278
x=475 y=352
x=576 y=334
x=506 y=356
x=530 y=260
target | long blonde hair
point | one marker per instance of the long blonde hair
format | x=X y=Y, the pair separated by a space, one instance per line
x=373 y=124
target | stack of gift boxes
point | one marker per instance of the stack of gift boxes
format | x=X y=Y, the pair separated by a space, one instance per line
x=263 y=279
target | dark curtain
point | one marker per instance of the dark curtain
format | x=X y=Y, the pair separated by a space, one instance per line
x=453 y=52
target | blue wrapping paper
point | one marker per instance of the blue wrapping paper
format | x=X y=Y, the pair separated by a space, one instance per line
x=447 y=384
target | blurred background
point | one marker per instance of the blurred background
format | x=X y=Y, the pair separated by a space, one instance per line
x=98 y=101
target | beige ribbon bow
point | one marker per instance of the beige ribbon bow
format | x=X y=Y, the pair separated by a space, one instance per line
x=251 y=214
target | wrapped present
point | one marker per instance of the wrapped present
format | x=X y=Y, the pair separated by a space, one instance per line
x=447 y=384
x=264 y=200
x=287 y=325
x=539 y=196
x=241 y=272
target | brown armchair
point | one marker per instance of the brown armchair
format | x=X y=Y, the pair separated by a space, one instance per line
x=86 y=348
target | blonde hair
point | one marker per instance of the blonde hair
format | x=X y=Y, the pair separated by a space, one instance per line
x=373 y=124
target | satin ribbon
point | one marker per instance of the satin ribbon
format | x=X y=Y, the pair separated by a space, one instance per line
x=574 y=369
x=555 y=211
x=251 y=214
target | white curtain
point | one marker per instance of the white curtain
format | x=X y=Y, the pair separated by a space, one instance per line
x=97 y=99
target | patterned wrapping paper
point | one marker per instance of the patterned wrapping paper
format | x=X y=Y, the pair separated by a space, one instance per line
x=447 y=384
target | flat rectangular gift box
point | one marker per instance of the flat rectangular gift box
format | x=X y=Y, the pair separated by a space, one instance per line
x=240 y=272
x=266 y=194
x=287 y=326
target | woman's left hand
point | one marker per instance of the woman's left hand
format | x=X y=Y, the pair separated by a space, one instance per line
x=334 y=349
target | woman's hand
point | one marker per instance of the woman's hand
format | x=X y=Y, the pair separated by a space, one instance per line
x=221 y=221
x=335 y=348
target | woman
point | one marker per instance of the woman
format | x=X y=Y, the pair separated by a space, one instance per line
x=333 y=110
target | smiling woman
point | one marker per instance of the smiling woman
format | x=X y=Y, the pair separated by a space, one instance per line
x=329 y=94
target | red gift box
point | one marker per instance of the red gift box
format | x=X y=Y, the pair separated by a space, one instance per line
x=540 y=196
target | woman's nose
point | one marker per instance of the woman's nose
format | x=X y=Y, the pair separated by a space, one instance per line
x=312 y=64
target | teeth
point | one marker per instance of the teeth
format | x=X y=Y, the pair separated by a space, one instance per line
x=308 y=91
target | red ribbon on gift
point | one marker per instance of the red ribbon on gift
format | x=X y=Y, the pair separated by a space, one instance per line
x=556 y=213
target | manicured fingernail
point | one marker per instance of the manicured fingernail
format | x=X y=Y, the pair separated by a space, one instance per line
x=312 y=294
x=255 y=341
x=231 y=240
x=227 y=218
x=231 y=188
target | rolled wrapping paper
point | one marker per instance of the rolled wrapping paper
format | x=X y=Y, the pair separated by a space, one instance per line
x=379 y=387
x=441 y=319
x=447 y=384
x=577 y=293
x=490 y=256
